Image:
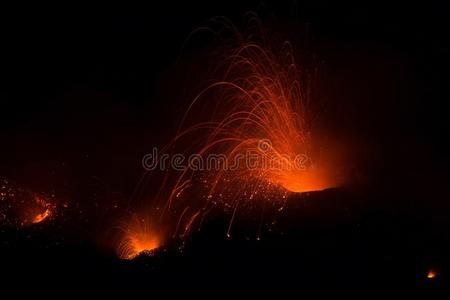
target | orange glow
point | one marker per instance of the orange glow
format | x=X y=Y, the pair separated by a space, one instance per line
x=42 y=216
x=138 y=237
x=261 y=109
x=41 y=210
x=24 y=207
x=257 y=116
x=431 y=274
x=306 y=181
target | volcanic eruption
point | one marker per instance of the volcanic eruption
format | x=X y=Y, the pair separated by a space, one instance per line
x=253 y=142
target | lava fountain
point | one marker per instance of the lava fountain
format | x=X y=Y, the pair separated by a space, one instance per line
x=259 y=122
x=138 y=236
x=250 y=132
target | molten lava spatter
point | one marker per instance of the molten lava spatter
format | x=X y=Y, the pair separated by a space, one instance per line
x=42 y=216
x=260 y=125
x=21 y=207
x=255 y=122
x=138 y=237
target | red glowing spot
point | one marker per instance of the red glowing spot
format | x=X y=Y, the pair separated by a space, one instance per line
x=306 y=181
x=42 y=216
x=431 y=274
x=43 y=211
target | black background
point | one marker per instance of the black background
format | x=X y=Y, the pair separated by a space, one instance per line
x=87 y=91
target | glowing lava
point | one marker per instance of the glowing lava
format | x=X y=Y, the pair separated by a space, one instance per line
x=42 y=216
x=21 y=207
x=43 y=211
x=306 y=181
x=431 y=274
x=138 y=237
x=255 y=121
x=260 y=123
